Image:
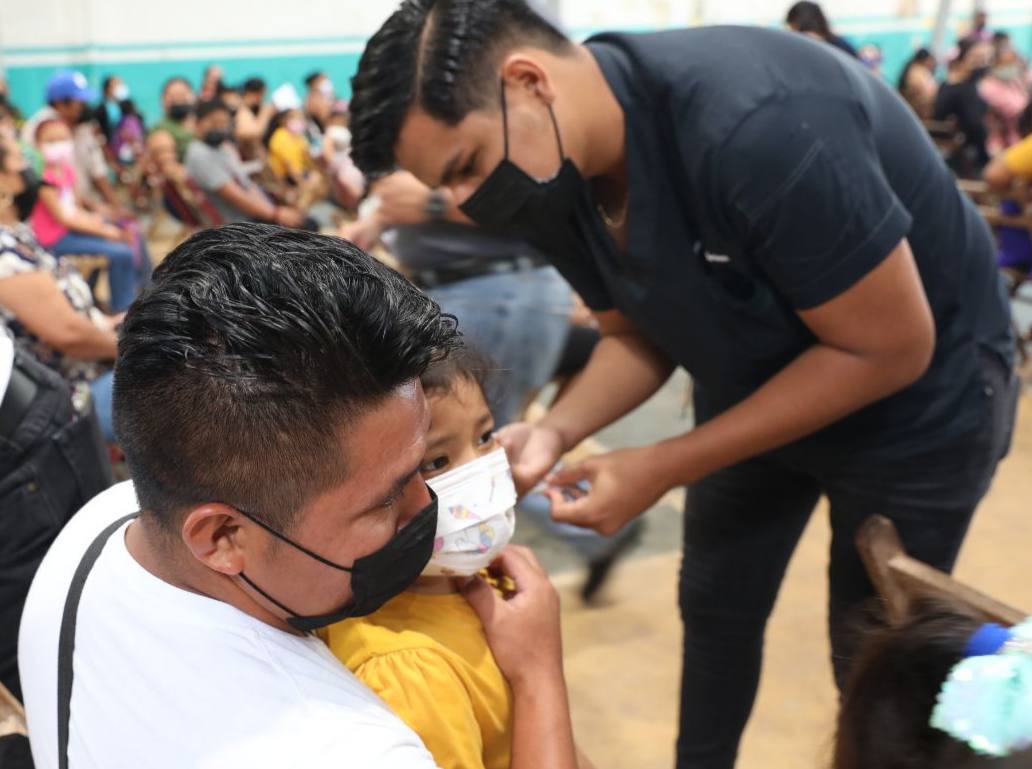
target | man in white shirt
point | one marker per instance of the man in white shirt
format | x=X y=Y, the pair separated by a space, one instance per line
x=268 y=402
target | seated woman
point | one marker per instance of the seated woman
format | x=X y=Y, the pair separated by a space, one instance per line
x=290 y=157
x=46 y=303
x=63 y=226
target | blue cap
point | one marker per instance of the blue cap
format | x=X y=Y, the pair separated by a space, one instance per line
x=67 y=84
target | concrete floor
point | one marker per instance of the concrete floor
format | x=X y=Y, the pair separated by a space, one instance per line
x=622 y=658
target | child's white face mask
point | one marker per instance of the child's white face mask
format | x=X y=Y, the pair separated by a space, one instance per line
x=475 y=518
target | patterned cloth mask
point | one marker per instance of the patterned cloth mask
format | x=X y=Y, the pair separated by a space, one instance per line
x=475 y=519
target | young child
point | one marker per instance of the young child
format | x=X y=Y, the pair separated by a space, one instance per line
x=63 y=226
x=425 y=652
x=940 y=691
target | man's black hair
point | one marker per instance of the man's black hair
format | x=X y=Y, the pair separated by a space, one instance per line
x=311 y=77
x=254 y=85
x=206 y=108
x=240 y=367
x=105 y=85
x=441 y=56
x=172 y=81
x=806 y=16
x=223 y=88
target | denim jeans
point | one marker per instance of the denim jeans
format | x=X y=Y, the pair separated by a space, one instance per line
x=520 y=321
x=742 y=525
x=50 y=466
x=102 y=389
x=126 y=273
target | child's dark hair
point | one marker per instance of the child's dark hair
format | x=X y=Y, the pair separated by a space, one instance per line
x=886 y=710
x=467 y=363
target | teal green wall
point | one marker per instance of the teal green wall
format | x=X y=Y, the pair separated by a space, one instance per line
x=146 y=75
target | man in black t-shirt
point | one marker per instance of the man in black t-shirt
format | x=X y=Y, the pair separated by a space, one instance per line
x=755 y=207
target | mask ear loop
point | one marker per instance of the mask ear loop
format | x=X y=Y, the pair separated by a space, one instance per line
x=255 y=519
x=505 y=118
x=558 y=138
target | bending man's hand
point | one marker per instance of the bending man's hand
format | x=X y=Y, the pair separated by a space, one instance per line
x=623 y=485
x=533 y=450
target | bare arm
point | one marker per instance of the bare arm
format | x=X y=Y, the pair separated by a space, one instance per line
x=35 y=299
x=77 y=220
x=252 y=205
x=872 y=341
x=624 y=371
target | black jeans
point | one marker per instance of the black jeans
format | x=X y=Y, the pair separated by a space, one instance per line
x=742 y=525
x=52 y=463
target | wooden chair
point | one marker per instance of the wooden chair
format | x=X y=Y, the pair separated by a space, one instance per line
x=12 y=714
x=899 y=579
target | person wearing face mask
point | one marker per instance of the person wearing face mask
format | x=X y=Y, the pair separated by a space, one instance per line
x=275 y=426
x=318 y=105
x=795 y=243
x=213 y=162
x=959 y=99
x=1005 y=89
x=114 y=91
x=177 y=102
x=64 y=226
x=47 y=304
x=252 y=120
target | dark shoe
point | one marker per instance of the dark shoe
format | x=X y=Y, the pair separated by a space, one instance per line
x=599 y=570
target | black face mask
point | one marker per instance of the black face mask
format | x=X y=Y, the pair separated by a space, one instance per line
x=177 y=113
x=25 y=200
x=215 y=137
x=512 y=200
x=375 y=578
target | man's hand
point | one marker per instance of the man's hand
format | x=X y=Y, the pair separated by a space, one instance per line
x=533 y=450
x=623 y=484
x=522 y=629
x=403 y=199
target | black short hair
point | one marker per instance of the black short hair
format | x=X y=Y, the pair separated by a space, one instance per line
x=467 y=363
x=206 y=108
x=806 y=16
x=105 y=84
x=172 y=81
x=311 y=77
x=254 y=85
x=240 y=365
x=896 y=678
x=439 y=55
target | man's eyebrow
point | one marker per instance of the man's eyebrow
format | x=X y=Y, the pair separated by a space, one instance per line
x=449 y=168
x=396 y=489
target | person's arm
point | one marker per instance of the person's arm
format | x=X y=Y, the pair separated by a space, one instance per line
x=524 y=635
x=1008 y=166
x=257 y=207
x=77 y=220
x=624 y=371
x=406 y=200
x=36 y=301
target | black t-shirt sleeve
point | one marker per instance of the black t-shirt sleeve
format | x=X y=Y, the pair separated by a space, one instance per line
x=803 y=191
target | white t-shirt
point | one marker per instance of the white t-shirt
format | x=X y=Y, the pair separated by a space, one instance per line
x=166 y=678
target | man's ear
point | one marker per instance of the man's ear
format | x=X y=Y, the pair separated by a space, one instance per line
x=524 y=70
x=213 y=535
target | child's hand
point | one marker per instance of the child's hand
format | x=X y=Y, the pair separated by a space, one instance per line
x=522 y=629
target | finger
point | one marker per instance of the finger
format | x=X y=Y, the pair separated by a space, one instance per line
x=572 y=474
x=580 y=512
x=481 y=597
x=519 y=564
x=509 y=436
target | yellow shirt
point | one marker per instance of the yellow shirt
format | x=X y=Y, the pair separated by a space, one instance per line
x=427 y=658
x=288 y=153
x=1018 y=158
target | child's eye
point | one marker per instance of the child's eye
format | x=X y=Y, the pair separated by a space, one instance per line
x=435 y=464
x=486 y=438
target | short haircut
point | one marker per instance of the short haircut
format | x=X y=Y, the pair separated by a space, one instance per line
x=884 y=721
x=240 y=367
x=254 y=85
x=467 y=363
x=211 y=106
x=172 y=81
x=441 y=56
x=806 y=16
x=311 y=77
x=105 y=86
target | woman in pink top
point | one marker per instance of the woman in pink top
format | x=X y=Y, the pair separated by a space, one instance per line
x=1006 y=91
x=63 y=226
